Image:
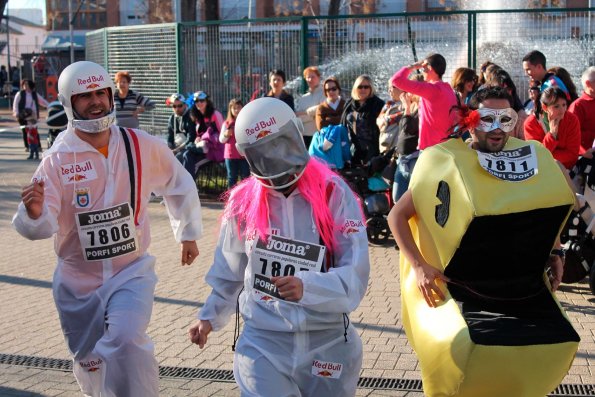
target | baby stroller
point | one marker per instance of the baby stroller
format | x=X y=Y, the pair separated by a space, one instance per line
x=578 y=235
x=375 y=194
x=56 y=121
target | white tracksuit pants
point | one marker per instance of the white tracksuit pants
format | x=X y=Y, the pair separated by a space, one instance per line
x=283 y=364
x=106 y=333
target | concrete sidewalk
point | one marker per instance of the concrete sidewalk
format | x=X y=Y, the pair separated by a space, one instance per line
x=31 y=327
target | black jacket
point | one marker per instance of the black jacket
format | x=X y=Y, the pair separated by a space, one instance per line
x=186 y=127
x=360 y=121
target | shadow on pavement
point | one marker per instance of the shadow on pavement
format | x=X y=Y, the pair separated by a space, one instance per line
x=47 y=284
x=9 y=391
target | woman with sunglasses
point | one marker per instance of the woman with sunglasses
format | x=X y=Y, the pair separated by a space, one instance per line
x=129 y=104
x=464 y=84
x=359 y=117
x=206 y=147
x=277 y=82
x=331 y=142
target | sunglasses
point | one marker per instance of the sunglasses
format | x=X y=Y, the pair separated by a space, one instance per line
x=201 y=100
x=181 y=105
x=331 y=89
x=363 y=87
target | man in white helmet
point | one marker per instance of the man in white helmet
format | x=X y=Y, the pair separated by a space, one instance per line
x=91 y=191
x=293 y=256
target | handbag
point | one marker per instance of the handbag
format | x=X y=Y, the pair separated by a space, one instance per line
x=388 y=137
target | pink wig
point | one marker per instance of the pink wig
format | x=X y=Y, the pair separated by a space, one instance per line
x=248 y=203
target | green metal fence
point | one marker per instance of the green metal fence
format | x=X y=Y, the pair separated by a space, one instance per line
x=231 y=58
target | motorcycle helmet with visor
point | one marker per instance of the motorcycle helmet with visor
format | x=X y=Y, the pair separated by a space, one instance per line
x=79 y=78
x=269 y=135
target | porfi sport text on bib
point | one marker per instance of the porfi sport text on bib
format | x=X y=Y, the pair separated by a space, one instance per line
x=107 y=233
x=515 y=165
x=280 y=256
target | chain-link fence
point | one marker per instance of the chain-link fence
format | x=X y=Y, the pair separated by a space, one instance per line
x=230 y=59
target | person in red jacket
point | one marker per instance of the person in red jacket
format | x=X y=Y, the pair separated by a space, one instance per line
x=558 y=130
x=584 y=109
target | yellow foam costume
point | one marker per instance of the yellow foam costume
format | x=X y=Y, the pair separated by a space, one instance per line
x=500 y=331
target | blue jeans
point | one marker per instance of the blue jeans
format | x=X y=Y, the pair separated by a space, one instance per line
x=190 y=159
x=235 y=168
x=403 y=172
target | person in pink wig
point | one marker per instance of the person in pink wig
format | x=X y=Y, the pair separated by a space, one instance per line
x=293 y=257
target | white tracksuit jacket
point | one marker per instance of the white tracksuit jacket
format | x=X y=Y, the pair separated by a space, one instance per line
x=286 y=337
x=80 y=179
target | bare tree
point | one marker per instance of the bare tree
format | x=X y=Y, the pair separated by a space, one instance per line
x=160 y=11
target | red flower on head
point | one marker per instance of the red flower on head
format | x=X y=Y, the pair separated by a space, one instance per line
x=470 y=119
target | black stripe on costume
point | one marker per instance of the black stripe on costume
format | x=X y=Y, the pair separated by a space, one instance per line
x=131 y=172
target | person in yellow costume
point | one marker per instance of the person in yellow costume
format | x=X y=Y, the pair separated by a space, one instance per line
x=480 y=260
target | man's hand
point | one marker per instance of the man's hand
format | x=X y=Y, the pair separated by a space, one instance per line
x=290 y=288
x=189 y=252
x=556 y=265
x=32 y=196
x=199 y=331
x=426 y=277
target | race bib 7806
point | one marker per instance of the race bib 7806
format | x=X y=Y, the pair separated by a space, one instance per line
x=107 y=233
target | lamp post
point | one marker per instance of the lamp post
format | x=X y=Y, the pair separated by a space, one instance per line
x=8 y=72
x=70 y=27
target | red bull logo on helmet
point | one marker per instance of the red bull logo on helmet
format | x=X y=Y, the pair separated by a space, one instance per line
x=90 y=80
x=262 y=128
x=326 y=369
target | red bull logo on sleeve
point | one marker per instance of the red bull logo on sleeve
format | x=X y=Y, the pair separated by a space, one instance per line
x=78 y=172
x=90 y=81
x=326 y=369
x=351 y=226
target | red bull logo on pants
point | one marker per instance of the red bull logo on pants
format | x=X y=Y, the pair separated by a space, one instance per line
x=327 y=369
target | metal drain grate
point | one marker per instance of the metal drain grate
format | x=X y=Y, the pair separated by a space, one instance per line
x=574 y=390
x=36 y=362
x=220 y=375
x=390 y=384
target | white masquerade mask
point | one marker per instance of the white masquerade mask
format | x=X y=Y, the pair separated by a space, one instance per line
x=491 y=119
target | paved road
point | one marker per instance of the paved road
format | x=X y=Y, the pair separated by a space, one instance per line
x=31 y=328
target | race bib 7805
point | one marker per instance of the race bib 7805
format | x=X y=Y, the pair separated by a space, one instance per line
x=280 y=256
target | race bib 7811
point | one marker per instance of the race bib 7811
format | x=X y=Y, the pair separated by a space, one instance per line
x=514 y=165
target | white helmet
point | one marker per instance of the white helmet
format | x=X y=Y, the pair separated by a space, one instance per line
x=269 y=135
x=81 y=77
